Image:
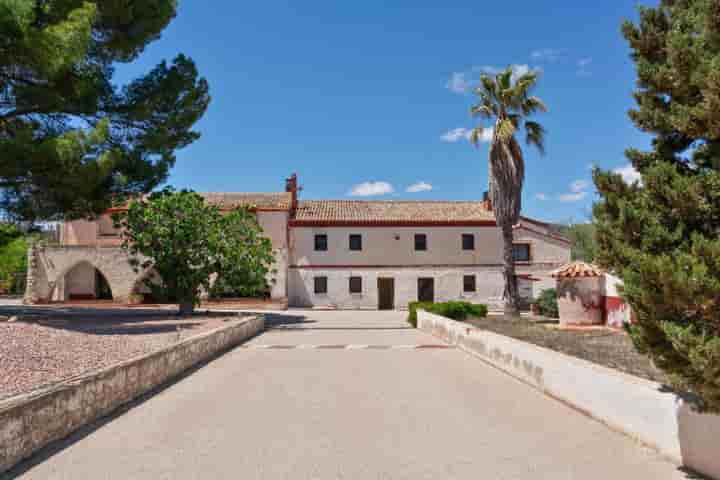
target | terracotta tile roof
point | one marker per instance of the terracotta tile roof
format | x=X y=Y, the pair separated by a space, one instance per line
x=578 y=269
x=269 y=201
x=373 y=212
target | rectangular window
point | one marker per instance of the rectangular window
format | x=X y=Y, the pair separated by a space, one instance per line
x=420 y=241
x=355 y=242
x=521 y=252
x=468 y=241
x=355 y=284
x=320 y=285
x=469 y=284
x=321 y=243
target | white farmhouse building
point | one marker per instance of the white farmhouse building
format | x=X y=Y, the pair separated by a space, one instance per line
x=331 y=253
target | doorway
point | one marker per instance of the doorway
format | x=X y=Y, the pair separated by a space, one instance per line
x=426 y=290
x=386 y=293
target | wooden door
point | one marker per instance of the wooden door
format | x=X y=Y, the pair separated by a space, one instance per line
x=386 y=293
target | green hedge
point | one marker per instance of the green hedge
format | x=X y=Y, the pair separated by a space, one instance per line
x=548 y=304
x=456 y=310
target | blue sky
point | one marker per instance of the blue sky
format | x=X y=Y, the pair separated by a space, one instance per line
x=351 y=93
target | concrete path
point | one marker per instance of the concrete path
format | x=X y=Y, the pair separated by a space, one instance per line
x=376 y=401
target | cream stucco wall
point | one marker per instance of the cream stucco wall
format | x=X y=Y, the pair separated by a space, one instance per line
x=448 y=286
x=547 y=254
x=396 y=246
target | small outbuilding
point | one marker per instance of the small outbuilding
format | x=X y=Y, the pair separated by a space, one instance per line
x=580 y=292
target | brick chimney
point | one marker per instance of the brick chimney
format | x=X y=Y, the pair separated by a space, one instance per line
x=291 y=186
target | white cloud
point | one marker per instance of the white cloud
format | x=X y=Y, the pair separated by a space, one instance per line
x=547 y=54
x=541 y=196
x=629 y=174
x=371 y=189
x=458 y=83
x=419 y=187
x=464 y=82
x=457 y=134
x=578 y=191
x=583 y=65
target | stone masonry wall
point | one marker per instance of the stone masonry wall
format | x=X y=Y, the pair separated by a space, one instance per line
x=31 y=421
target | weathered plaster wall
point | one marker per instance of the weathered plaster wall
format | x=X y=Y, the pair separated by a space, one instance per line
x=80 y=280
x=580 y=301
x=641 y=409
x=448 y=286
x=396 y=246
x=30 y=421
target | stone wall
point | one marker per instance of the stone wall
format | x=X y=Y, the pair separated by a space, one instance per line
x=48 y=265
x=639 y=408
x=31 y=421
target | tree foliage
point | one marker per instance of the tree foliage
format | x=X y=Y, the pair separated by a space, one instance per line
x=583 y=240
x=71 y=141
x=509 y=103
x=662 y=235
x=187 y=242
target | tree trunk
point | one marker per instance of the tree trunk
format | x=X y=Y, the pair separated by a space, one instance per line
x=512 y=296
x=187 y=307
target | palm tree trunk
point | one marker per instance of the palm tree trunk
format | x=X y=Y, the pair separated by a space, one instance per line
x=512 y=297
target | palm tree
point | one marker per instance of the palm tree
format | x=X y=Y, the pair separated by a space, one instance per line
x=508 y=102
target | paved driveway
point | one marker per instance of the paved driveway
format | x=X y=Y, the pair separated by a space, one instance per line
x=350 y=395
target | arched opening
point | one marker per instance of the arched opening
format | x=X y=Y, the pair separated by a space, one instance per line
x=248 y=287
x=84 y=282
x=147 y=289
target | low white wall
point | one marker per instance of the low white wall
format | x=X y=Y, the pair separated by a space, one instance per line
x=634 y=406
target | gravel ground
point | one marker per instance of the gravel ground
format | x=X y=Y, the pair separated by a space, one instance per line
x=52 y=344
x=607 y=347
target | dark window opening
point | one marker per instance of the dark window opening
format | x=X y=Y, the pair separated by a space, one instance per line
x=355 y=242
x=321 y=284
x=355 y=284
x=420 y=241
x=521 y=252
x=426 y=290
x=468 y=241
x=321 y=243
x=469 y=284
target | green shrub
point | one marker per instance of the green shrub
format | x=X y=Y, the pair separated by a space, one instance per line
x=547 y=303
x=456 y=310
x=412 y=311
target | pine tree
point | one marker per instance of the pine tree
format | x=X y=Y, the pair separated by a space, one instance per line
x=71 y=140
x=662 y=234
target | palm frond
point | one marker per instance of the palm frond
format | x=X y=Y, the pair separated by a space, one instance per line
x=532 y=105
x=483 y=110
x=535 y=135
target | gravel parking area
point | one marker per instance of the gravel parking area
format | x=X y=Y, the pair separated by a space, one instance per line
x=47 y=345
x=603 y=346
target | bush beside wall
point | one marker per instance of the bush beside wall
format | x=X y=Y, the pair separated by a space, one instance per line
x=548 y=304
x=457 y=310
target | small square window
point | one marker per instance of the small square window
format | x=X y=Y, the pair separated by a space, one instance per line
x=521 y=252
x=469 y=284
x=468 y=241
x=420 y=241
x=355 y=242
x=355 y=284
x=321 y=285
x=321 y=243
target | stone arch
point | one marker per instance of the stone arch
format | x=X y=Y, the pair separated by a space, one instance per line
x=82 y=281
x=49 y=265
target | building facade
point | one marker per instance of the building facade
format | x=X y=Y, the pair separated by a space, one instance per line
x=344 y=254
